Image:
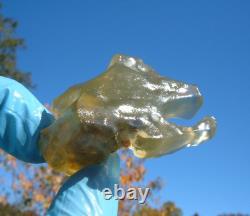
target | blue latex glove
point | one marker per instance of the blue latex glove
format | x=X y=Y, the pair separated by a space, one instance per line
x=82 y=193
x=22 y=117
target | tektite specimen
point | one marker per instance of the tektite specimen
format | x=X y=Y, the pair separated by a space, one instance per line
x=126 y=106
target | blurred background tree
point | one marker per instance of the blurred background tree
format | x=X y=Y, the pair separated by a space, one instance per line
x=27 y=190
x=11 y=210
x=9 y=44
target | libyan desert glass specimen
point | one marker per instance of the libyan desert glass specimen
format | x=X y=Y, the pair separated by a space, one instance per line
x=126 y=106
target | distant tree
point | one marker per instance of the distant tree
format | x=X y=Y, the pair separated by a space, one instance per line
x=30 y=187
x=11 y=210
x=167 y=209
x=9 y=45
x=133 y=172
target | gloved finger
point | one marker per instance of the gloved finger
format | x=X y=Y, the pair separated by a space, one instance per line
x=82 y=195
x=22 y=117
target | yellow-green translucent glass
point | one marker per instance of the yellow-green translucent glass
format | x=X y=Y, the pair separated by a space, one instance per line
x=126 y=106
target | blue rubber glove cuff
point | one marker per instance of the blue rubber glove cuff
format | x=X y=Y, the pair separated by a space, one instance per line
x=22 y=117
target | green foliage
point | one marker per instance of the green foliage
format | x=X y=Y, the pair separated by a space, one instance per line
x=9 y=45
x=167 y=209
x=11 y=210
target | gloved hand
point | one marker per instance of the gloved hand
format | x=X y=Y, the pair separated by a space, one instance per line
x=82 y=193
x=22 y=117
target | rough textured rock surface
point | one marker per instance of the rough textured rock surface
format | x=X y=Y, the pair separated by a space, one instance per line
x=126 y=106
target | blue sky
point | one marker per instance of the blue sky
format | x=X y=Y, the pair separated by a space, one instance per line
x=201 y=42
